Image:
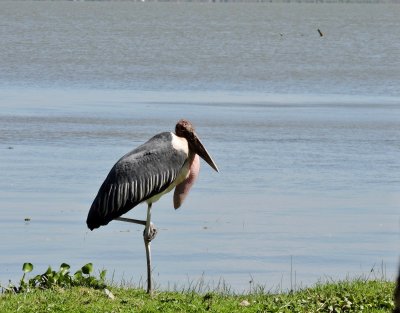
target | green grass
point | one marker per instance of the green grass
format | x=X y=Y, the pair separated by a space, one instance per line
x=347 y=296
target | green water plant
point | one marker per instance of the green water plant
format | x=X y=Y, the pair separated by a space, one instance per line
x=61 y=278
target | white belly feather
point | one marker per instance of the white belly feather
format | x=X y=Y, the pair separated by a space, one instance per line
x=181 y=144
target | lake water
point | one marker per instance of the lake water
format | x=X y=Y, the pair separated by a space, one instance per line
x=305 y=131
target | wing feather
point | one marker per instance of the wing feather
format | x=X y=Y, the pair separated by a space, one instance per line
x=137 y=176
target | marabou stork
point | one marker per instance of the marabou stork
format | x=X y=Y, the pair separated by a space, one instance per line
x=146 y=173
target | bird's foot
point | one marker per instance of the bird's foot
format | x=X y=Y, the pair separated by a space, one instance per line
x=150 y=233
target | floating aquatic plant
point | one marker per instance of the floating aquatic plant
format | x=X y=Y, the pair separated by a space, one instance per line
x=61 y=278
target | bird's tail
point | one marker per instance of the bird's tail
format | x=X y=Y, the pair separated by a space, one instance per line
x=95 y=217
x=92 y=220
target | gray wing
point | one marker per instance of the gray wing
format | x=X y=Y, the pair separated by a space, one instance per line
x=136 y=177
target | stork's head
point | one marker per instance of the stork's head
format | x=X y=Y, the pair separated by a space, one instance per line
x=186 y=130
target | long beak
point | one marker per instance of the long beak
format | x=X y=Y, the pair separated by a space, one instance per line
x=202 y=152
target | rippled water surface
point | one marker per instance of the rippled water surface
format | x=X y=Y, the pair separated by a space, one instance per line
x=305 y=131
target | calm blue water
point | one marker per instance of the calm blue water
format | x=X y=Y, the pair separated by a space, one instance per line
x=305 y=131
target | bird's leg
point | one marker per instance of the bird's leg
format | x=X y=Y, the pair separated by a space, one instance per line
x=130 y=220
x=150 y=230
x=149 y=234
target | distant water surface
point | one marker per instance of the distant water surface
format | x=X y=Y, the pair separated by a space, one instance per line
x=305 y=131
x=203 y=46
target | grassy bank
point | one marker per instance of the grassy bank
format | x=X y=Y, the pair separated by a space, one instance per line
x=347 y=296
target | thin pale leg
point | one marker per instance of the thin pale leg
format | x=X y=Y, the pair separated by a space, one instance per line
x=131 y=220
x=149 y=234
